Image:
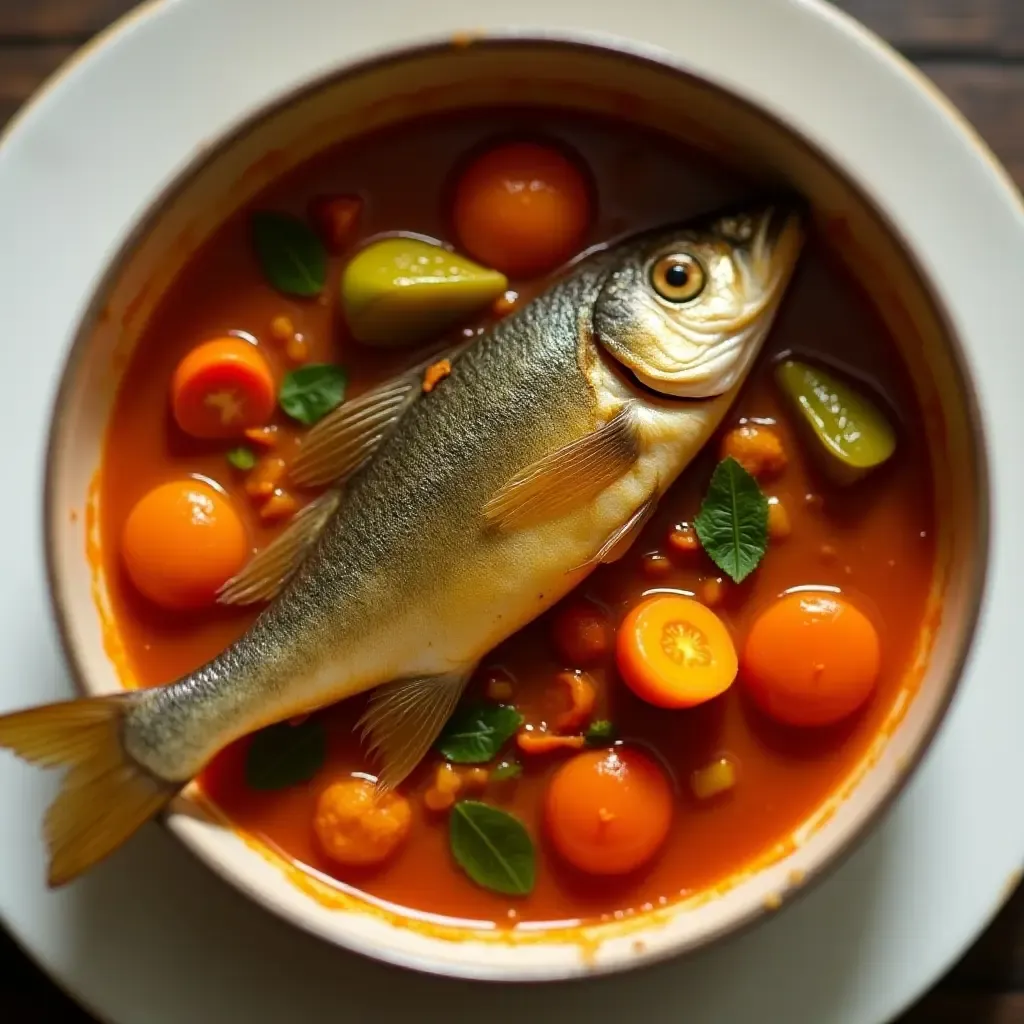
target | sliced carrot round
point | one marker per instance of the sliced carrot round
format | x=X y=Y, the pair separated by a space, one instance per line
x=222 y=388
x=811 y=659
x=608 y=812
x=181 y=542
x=674 y=652
x=522 y=208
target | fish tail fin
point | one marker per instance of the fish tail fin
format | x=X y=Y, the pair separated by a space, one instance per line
x=105 y=795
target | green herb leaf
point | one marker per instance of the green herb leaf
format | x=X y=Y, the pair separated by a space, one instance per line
x=285 y=755
x=492 y=847
x=309 y=393
x=291 y=255
x=241 y=458
x=476 y=732
x=600 y=733
x=507 y=770
x=733 y=521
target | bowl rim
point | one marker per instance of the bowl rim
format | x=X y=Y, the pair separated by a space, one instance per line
x=754 y=911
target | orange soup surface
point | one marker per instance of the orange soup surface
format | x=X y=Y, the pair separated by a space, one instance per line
x=652 y=750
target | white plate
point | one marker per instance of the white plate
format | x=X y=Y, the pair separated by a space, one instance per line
x=153 y=937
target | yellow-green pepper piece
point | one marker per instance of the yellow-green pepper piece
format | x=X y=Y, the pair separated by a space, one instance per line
x=400 y=291
x=853 y=435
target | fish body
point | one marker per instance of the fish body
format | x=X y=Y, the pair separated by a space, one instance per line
x=459 y=516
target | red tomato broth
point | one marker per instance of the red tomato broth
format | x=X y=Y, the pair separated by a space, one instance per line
x=873 y=540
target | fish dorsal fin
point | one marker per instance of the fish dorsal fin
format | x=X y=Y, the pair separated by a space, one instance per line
x=622 y=539
x=404 y=718
x=344 y=439
x=270 y=569
x=568 y=477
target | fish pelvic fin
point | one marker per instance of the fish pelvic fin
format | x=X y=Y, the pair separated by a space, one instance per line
x=623 y=538
x=105 y=796
x=267 y=572
x=404 y=718
x=567 y=477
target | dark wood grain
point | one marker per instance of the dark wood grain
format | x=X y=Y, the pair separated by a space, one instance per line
x=974 y=51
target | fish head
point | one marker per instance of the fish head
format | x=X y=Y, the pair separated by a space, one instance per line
x=686 y=309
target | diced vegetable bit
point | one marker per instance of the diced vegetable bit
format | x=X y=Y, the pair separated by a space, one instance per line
x=264 y=479
x=290 y=254
x=811 y=659
x=582 y=698
x=181 y=542
x=675 y=653
x=779 y=526
x=713 y=779
x=683 y=540
x=655 y=565
x=476 y=732
x=297 y=350
x=435 y=373
x=600 y=733
x=359 y=826
x=401 y=291
x=265 y=437
x=336 y=220
x=506 y=771
x=733 y=521
x=445 y=788
x=474 y=779
x=311 y=392
x=851 y=435
x=282 y=329
x=533 y=741
x=504 y=304
x=711 y=591
x=279 y=506
x=221 y=389
x=582 y=634
x=757 y=448
x=286 y=754
x=499 y=689
x=522 y=207
x=608 y=812
x=492 y=847
x=241 y=458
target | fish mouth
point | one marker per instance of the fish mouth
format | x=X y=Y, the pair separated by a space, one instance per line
x=769 y=242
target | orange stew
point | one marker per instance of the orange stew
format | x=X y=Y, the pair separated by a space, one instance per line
x=646 y=762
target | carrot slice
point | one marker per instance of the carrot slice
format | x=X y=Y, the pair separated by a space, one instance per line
x=222 y=388
x=674 y=652
x=582 y=697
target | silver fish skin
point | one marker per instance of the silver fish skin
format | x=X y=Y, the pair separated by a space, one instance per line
x=484 y=502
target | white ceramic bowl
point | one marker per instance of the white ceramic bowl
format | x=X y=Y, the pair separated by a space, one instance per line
x=582 y=72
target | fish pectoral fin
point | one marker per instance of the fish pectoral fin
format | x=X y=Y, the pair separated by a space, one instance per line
x=270 y=569
x=622 y=539
x=404 y=718
x=568 y=477
x=344 y=439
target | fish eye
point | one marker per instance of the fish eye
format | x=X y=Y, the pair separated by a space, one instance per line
x=678 y=278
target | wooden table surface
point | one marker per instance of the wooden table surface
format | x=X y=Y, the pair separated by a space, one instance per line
x=974 y=51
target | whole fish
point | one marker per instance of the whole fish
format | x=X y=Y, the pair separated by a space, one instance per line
x=460 y=512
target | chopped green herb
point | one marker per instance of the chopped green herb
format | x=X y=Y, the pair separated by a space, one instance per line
x=507 y=770
x=285 y=755
x=492 y=847
x=291 y=255
x=733 y=521
x=241 y=458
x=476 y=732
x=600 y=733
x=309 y=393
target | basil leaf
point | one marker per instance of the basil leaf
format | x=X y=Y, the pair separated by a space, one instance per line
x=492 y=847
x=600 y=733
x=285 y=755
x=241 y=458
x=292 y=257
x=309 y=393
x=476 y=732
x=507 y=770
x=733 y=521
